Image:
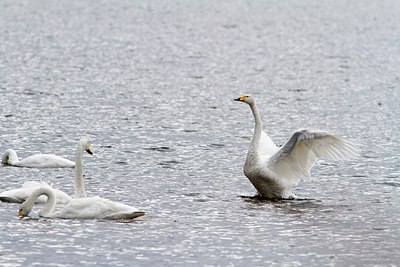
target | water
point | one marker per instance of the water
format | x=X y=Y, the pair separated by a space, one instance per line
x=151 y=84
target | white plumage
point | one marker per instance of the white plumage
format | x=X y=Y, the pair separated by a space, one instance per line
x=274 y=171
x=36 y=161
x=79 y=208
x=19 y=195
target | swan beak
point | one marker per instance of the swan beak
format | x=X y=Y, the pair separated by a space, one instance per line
x=20 y=213
x=241 y=99
x=89 y=151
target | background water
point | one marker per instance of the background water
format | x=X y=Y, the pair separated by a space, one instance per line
x=151 y=84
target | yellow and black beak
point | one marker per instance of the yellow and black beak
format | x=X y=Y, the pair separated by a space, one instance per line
x=241 y=99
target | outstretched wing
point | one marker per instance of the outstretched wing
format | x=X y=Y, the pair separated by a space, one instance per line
x=294 y=160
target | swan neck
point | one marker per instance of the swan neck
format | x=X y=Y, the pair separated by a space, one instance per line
x=79 y=180
x=257 y=126
x=48 y=207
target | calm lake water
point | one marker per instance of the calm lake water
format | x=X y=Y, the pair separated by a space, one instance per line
x=151 y=83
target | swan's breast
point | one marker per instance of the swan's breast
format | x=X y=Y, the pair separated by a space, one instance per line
x=263 y=181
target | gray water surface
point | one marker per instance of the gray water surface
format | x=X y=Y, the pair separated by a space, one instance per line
x=151 y=84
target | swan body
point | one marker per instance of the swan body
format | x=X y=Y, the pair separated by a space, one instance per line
x=79 y=208
x=36 y=161
x=19 y=195
x=274 y=171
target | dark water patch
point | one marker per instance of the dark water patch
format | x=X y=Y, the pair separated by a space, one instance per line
x=370 y=156
x=297 y=90
x=159 y=149
x=217 y=145
x=359 y=176
x=189 y=131
x=121 y=162
x=8 y=115
x=393 y=184
x=380 y=229
x=197 y=77
x=169 y=164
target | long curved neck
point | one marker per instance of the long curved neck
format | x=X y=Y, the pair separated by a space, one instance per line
x=48 y=207
x=78 y=179
x=257 y=128
x=10 y=157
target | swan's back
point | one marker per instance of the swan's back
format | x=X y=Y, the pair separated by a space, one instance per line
x=97 y=208
x=45 y=161
x=19 y=195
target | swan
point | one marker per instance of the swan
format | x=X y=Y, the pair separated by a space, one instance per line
x=20 y=194
x=79 y=208
x=36 y=161
x=274 y=171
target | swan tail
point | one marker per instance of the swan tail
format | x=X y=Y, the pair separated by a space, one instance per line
x=124 y=215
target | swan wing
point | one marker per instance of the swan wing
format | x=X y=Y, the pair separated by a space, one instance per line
x=294 y=160
x=98 y=208
x=45 y=161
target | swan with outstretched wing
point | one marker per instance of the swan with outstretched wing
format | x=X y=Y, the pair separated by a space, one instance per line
x=275 y=171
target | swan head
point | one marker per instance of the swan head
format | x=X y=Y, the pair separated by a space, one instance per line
x=246 y=99
x=25 y=208
x=84 y=142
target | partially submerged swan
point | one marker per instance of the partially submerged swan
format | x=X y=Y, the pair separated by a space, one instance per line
x=79 y=208
x=10 y=157
x=274 y=171
x=19 y=195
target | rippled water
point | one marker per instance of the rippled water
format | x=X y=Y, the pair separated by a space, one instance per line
x=151 y=84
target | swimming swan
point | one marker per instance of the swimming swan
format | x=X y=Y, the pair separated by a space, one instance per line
x=79 y=208
x=19 y=195
x=36 y=161
x=274 y=171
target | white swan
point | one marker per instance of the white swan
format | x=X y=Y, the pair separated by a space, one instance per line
x=19 y=195
x=36 y=161
x=274 y=171
x=80 y=208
